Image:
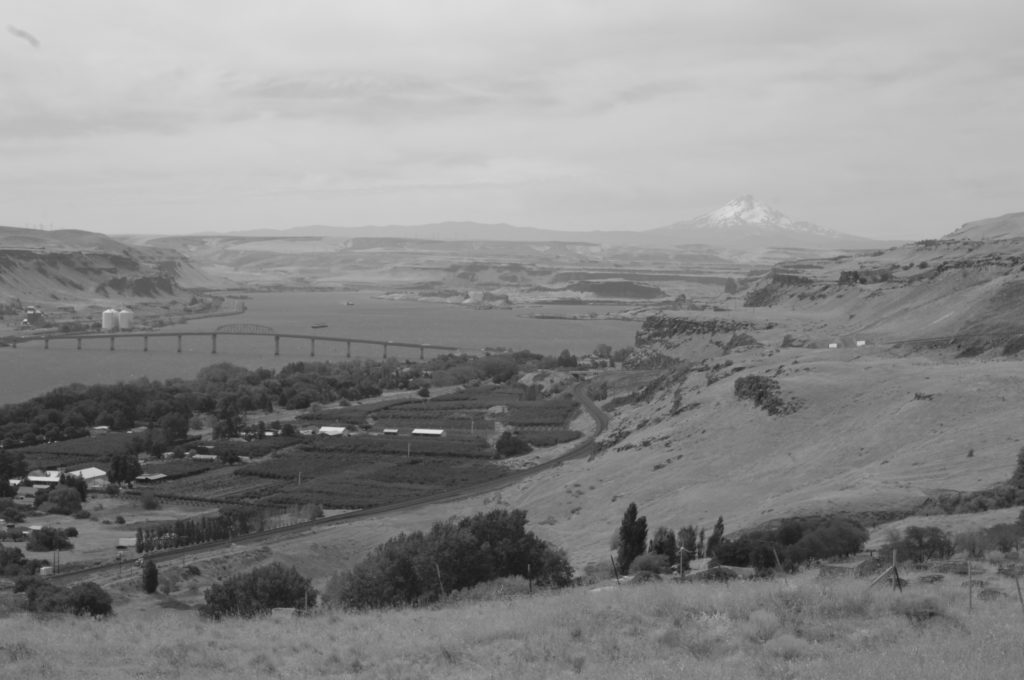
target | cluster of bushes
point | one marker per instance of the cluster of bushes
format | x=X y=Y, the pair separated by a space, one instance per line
x=918 y=544
x=765 y=392
x=81 y=599
x=13 y=563
x=11 y=512
x=1001 y=537
x=50 y=538
x=62 y=499
x=454 y=555
x=509 y=445
x=792 y=542
x=258 y=591
x=12 y=465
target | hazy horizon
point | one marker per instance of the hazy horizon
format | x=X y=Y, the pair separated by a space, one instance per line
x=889 y=119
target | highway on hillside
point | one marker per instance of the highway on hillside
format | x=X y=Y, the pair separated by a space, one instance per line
x=585 y=447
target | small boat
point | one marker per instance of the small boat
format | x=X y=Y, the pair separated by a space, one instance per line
x=319 y=325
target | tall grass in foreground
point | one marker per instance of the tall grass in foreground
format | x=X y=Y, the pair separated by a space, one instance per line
x=652 y=631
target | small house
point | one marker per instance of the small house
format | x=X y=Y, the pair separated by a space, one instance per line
x=391 y=430
x=150 y=477
x=332 y=431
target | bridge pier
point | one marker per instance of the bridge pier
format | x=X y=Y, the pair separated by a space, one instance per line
x=312 y=347
x=277 y=345
x=145 y=343
x=179 y=344
x=348 y=350
x=79 y=343
x=213 y=343
x=385 y=350
x=46 y=343
x=421 y=352
x=111 y=343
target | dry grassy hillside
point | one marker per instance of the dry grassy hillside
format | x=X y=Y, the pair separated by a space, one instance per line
x=879 y=431
x=924 y=290
x=71 y=265
x=768 y=630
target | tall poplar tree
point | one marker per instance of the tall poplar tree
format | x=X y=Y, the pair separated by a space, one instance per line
x=632 y=537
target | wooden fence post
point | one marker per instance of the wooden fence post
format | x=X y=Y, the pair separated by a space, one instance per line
x=1020 y=598
x=439 y=581
x=970 y=588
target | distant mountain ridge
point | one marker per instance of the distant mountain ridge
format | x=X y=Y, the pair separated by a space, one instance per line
x=741 y=224
x=745 y=223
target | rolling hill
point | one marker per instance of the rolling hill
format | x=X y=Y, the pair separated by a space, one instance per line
x=81 y=266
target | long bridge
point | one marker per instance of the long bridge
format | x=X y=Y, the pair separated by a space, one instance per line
x=229 y=330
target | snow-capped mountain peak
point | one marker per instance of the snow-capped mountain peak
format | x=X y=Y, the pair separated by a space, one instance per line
x=745 y=221
x=745 y=210
x=748 y=214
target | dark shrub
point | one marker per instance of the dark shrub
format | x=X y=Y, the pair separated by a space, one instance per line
x=89 y=598
x=258 y=591
x=150 y=577
x=47 y=539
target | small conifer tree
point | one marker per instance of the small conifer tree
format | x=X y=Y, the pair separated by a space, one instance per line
x=150 y=576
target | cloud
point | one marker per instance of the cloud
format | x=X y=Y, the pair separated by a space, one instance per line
x=24 y=35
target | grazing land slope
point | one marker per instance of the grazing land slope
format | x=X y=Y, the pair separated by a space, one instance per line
x=756 y=630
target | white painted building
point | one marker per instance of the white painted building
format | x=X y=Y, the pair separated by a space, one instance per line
x=427 y=432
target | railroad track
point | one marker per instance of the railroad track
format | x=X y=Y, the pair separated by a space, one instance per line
x=585 y=447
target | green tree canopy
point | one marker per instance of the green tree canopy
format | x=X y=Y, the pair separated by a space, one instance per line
x=258 y=591
x=632 y=537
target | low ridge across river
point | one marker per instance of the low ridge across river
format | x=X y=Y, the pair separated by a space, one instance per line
x=231 y=330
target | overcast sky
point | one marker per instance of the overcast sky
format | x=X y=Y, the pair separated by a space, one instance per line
x=884 y=118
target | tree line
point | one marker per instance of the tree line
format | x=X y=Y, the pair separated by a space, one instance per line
x=790 y=543
x=226 y=392
x=229 y=523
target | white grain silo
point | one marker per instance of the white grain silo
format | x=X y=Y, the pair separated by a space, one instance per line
x=125 y=319
x=109 y=320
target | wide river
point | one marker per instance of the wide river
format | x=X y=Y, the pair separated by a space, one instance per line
x=30 y=370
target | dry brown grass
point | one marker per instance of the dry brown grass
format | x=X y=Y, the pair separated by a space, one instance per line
x=661 y=630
